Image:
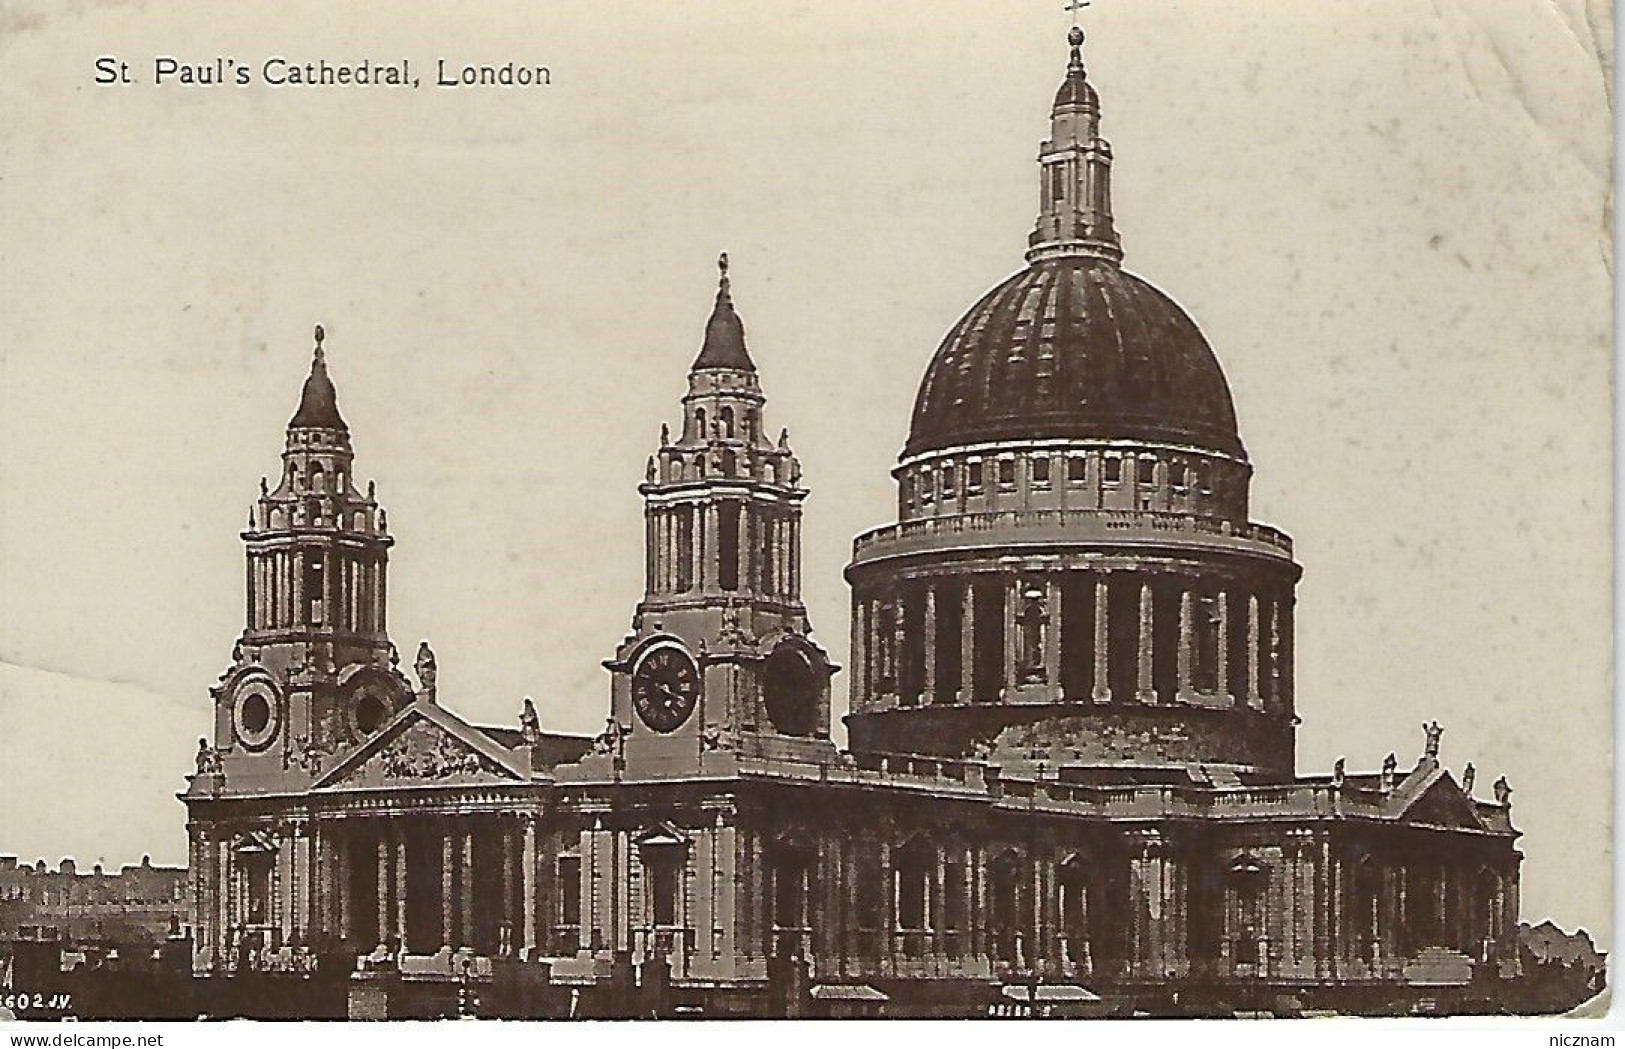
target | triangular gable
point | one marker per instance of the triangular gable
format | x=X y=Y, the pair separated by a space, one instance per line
x=425 y=745
x=1441 y=803
x=661 y=834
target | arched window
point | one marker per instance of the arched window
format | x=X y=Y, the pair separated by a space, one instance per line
x=727 y=416
x=1246 y=932
x=1006 y=910
x=1207 y=616
x=699 y=424
x=913 y=868
x=1074 y=912
x=567 y=890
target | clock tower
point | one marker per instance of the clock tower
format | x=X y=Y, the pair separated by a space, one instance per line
x=720 y=658
x=314 y=670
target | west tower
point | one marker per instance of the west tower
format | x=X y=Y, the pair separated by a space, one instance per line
x=314 y=669
x=720 y=657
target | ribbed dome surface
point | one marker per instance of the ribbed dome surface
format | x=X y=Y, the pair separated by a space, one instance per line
x=1073 y=347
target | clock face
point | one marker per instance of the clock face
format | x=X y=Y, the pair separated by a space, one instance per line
x=665 y=688
x=790 y=688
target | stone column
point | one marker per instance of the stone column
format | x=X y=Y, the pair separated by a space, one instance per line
x=449 y=892
x=1053 y=625
x=1183 y=689
x=928 y=686
x=793 y=554
x=510 y=885
x=1254 y=697
x=1012 y=604
x=465 y=887
x=399 y=834
x=528 y=942
x=1143 y=684
x=300 y=887
x=198 y=864
x=1275 y=653
x=384 y=883
x=1224 y=647
x=859 y=654
x=222 y=891
x=343 y=904
x=1101 y=691
x=967 y=643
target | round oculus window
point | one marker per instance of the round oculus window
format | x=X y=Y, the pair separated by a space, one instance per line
x=790 y=687
x=254 y=715
x=370 y=709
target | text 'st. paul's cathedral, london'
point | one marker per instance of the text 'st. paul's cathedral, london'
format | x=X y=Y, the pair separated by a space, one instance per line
x=1070 y=783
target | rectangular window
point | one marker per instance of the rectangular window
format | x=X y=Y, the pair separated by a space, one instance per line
x=728 y=545
x=663 y=886
x=871 y=884
x=1075 y=468
x=973 y=477
x=685 y=548
x=1041 y=470
x=912 y=889
x=953 y=896
x=947 y=479
x=1148 y=471
x=1114 y=470
x=926 y=487
x=569 y=890
x=314 y=588
x=1007 y=473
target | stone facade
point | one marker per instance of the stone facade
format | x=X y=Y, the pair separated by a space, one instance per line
x=1072 y=723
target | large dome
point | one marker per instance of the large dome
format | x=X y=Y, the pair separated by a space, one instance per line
x=1073 y=347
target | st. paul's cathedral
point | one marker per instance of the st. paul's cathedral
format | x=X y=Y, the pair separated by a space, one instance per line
x=1070 y=781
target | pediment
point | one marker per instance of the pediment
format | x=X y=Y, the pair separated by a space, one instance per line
x=661 y=835
x=420 y=748
x=1443 y=804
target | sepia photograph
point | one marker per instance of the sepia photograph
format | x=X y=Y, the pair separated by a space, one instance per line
x=807 y=509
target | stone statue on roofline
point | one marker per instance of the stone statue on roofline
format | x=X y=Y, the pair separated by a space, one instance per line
x=530 y=726
x=1434 y=730
x=426 y=668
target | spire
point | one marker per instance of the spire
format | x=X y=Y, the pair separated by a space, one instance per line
x=1075 y=163
x=318 y=402
x=724 y=332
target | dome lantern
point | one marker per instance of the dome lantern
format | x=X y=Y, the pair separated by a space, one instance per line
x=1075 y=164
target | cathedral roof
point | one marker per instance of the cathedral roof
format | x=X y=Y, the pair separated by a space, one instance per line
x=724 y=333
x=1074 y=347
x=318 y=402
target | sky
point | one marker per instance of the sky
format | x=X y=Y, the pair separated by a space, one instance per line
x=1390 y=219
